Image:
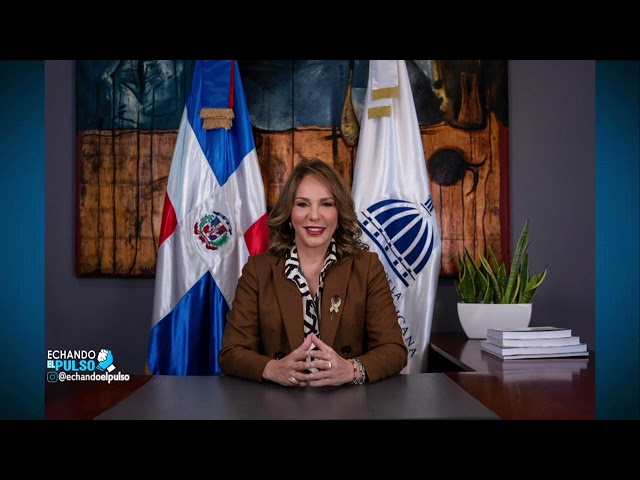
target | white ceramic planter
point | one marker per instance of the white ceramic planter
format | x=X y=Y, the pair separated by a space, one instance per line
x=476 y=318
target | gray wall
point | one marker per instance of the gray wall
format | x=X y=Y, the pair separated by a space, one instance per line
x=552 y=183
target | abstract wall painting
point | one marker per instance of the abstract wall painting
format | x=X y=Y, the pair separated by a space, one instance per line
x=128 y=113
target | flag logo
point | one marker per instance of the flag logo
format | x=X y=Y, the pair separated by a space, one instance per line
x=403 y=231
x=213 y=230
x=395 y=211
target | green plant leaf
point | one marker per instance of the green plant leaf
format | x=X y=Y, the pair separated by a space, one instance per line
x=479 y=279
x=488 y=293
x=501 y=277
x=500 y=273
x=521 y=249
x=515 y=292
x=494 y=259
x=466 y=284
x=530 y=289
x=538 y=278
x=467 y=291
x=524 y=278
x=497 y=295
x=483 y=286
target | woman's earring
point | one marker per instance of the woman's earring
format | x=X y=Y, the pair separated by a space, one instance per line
x=290 y=226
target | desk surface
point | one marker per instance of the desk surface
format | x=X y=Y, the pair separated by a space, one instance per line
x=86 y=400
x=538 y=393
x=401 y=397
x=535 y=389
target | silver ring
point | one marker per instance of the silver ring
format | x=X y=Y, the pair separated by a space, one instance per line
x=330 y=366
x=292 y=379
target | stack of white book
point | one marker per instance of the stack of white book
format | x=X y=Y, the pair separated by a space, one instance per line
x=533 y=342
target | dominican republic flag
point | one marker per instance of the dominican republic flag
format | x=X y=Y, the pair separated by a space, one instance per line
x=393 y=203
x=214 y=217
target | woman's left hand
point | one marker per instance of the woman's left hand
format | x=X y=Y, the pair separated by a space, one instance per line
x=332 y=369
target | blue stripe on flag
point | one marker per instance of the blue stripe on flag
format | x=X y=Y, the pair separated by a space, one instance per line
x=192 y=331
x=210 y=89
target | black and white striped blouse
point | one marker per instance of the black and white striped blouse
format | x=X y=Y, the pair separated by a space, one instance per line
x=310 y=305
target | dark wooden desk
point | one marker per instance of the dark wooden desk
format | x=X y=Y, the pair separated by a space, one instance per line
x=537 y=389
x=87 y=400
x=420 y=396
x=544 y=392
x=401 y=397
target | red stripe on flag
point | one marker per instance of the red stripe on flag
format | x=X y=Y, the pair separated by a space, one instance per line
x=257 y=236
x=233 y=67
x=169 y=220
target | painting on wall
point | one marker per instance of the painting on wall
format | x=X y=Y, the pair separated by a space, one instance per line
x=128 y=113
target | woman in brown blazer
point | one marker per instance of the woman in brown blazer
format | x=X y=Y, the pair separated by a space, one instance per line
x=316 y=308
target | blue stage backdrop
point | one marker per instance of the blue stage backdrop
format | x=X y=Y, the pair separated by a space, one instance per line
x=617 y=240
x=24 y=233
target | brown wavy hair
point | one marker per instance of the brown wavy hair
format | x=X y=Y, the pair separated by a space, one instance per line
x=347 y=234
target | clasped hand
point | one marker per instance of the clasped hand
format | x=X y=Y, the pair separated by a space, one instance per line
x=326 y=367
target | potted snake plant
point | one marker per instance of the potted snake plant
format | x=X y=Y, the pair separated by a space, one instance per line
x=491 y=297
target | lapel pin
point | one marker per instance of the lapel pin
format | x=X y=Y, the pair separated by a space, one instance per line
x=335 y=304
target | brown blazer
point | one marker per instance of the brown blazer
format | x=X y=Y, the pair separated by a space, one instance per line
x=265 y=321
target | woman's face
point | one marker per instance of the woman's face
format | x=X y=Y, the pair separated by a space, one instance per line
x=314 y=215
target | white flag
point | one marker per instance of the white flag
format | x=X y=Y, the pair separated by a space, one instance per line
x=393 y=203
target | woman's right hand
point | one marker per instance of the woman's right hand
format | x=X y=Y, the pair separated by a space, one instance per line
x=289 y=371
